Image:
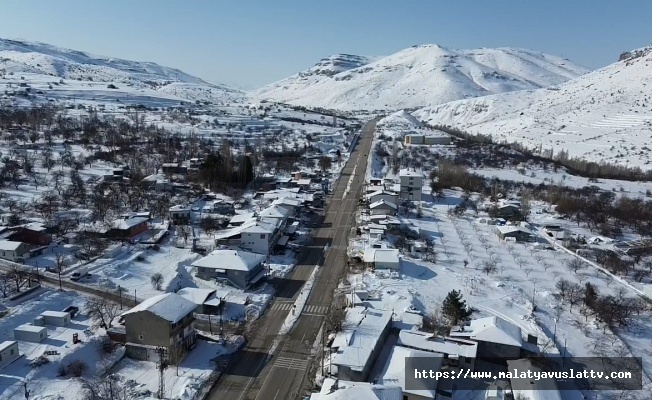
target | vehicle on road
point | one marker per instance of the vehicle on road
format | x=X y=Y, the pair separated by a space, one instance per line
x=80 y=273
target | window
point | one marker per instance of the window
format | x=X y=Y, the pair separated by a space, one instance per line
x=262 y=236
x=140 y=337
x=11 y=352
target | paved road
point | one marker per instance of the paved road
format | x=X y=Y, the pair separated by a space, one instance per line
x=273 y=367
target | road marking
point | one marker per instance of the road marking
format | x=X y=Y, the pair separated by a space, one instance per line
x=281 y=306
x=291 y=363
x=312 y=315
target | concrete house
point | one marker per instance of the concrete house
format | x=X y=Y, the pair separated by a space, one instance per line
x=56 y=318
x=237 y=267
x=411 y=184
x=387 y=196
x=261 y=236
x=455 y=351
x=394 y=372
x=518 y=233
x=14 y=251
x=496 y=337
x=382 y=207
x=355 y=349
x=207 y=301
x=164 y=321
x=337 y=389
x=30 y=333
x=178 y=213
x=33 y=233
x=506 y=210
x=382 y=258
x=8 y=352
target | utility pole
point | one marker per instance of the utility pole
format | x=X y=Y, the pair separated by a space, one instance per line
x=27 y=392
x=120 y=294
x=210 y=326
x=60 y=285
x=162 y=366
x=135 y=298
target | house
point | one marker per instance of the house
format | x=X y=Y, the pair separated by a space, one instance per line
x=494 y=392
x=207 y=301
x=174 y=169
x=240 y=219
x=382 y=207
x=165 y=321
x=33 y=233
x=289 y=204
x=179 y=213
x=401 y=359
x=237 y=267
x=411 y=184
x=382 y=258
x=56 y=318
x=355 y=349
x=8 y=352
x=506 y=210
x=518 y=233
x=456 y=352
x=14 y=251
x=387 y=196
x=275 y=212
x=537 y=389
x=30 y=333
x=496 y=337
x=261 y=236
x=434 y=138
x=127 y=227
x=336 y=389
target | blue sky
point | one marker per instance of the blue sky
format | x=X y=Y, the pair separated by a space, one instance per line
x=249 y=43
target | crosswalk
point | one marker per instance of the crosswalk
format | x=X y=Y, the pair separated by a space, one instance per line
x=310 y=310
x=291 y=363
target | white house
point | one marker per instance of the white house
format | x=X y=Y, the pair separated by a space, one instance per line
x=394 y=372
x=456 y=352
x=496 y=337
x=240 y=268
x=240 y=219
x=382 y=258
x=260 y=237
x=336 y=389
x=382 y=207
x=411 y=184
x=355 y=349
x=179 y=212
x=289 y=204
x=14 y=251
x=8 y=352
x=275 y=212
x=385 y=195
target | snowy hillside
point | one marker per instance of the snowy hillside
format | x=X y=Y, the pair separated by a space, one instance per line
x=400 y=118
x=605 y=115
x=43 y=65
x=419 y=76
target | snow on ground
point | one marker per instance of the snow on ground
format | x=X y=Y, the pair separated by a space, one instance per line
x=44 y=381
x=183 y=382
x=523 y=275
x=299 y=303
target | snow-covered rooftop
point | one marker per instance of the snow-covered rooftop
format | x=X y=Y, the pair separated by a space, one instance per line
x=237 y=260
x=359 y=337
x=534 y=392
x=274 y=211
x=196 y=295
x=241 y=218
x=382 y=202
x=427 y=342
x=407 y=172
x=386 y=255
x=8 y=245
x=169 y=306
x=512 y=228
x=394 y=371
x=491 y=329
x=127 y=223
x=345 y=390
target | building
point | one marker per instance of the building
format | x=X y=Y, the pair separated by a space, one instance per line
x=389 y=197
x=355 y=349
x=8 y=352
x=164 y=321
x=434 y=138
x=174 y=169
x=237 y=267
x=506 y=210
x=537 y=389
x=241 y=219
x=395 y=367
x=289 y=204
x=56 y=318
x=179 y=213
x=336 y=389
x=261 y=236
x=382 y=207
x=33 y=233
x=127 y=227
x=518 y=233
x=14 y=251
x=456 y=352
x=382 y=258
x=411 y=184
x=30 y=333
x=496 y=337
x=207 y=301
x=275 y=212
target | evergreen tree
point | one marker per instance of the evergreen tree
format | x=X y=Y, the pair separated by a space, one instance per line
x=455 y=309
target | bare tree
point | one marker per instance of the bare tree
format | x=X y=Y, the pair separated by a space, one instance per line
x=436 y=323
x=112 y=387
x=574 y=264
x=527 y=271
x=521 y=262
x=157 y=280
x=5 y=283
x=101 y=311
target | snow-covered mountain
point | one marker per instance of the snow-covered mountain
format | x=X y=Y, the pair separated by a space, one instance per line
x=42 y=66
x=419 y=76
x=605 y=115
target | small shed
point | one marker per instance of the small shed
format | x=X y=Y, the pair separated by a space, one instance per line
x=30 y=333
x=56 y=318
x=8 y=352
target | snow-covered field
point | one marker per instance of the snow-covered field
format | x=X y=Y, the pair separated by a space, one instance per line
x=418 y=76
x=603 y=115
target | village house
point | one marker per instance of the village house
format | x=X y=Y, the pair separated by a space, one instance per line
x=207 y=301
x=179 y=213
x=236 y=267
x=337 y=389
x=376 y=196
x=174 y=169
x=127 y=227
x=517 y=233
x=401 y=359
x=411 y=184
x=455 y=351
x=165 y=321
x=14 y=251
x=496 y=338
x=505 y=210
x=355 y=349
x=32 y=233
x=382 y=258
x=8 y=352
x=382 y=207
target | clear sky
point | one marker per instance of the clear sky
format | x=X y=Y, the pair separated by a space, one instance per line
x=249 y=43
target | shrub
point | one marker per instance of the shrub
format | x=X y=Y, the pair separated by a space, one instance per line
x=77 y=368
x=106 y=345
x=40 y=360
x=62 y=370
